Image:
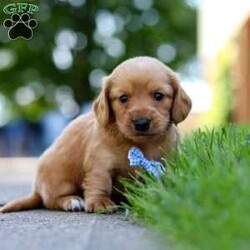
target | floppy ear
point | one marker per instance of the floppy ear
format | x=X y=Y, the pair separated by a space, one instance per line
x=102 y=105
x=182 y=104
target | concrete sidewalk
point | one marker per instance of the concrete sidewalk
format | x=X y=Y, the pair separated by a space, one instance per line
x=51 y=230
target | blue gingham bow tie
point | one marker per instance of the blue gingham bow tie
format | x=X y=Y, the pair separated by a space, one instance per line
x=136 y=158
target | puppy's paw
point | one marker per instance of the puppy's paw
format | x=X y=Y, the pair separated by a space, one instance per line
x=100 y=205
x=74 y=205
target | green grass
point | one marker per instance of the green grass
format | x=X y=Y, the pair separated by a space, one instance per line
x=203 y=199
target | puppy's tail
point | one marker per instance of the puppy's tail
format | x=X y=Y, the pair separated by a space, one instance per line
x=25 y=203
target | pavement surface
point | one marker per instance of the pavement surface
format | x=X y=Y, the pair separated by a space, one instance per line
x=44 y=229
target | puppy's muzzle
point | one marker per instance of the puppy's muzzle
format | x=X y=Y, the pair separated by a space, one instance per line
x=142 y=124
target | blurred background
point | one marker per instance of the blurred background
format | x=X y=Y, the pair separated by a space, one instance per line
x=47 y=81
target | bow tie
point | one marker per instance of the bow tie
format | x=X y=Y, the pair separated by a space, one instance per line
x=136 y=158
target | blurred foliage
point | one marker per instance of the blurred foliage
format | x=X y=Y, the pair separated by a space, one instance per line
x=78 y=41
x=221 y=74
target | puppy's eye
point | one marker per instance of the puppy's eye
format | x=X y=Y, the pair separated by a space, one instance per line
x=123 y=99
x=158 y=96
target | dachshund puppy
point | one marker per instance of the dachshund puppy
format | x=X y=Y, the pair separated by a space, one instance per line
x=140 y=105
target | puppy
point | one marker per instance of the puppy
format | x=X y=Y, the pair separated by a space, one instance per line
x=140 y=104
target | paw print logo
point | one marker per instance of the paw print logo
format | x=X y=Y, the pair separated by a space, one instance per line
x=20 y=26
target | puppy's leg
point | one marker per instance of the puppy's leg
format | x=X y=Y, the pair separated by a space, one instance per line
x=66 y=198
x=97 y=192
x=70 y=203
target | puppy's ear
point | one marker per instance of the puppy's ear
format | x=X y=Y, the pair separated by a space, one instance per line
x=102 y=105
x=182 y=104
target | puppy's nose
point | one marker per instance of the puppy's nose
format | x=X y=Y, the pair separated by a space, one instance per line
x=141 y=124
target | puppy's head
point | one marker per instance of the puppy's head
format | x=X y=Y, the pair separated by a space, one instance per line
x=141 y=98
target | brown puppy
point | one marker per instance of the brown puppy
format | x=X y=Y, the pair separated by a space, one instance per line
x=139 y=105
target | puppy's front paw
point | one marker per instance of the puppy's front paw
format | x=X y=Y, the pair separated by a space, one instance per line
x=74 y=205
x=100 y=205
